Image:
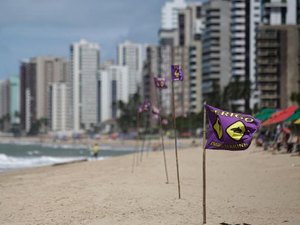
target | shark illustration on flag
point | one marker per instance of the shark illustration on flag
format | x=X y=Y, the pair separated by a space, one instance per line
x=176 y=73
x=160 y=82
x=229 y=131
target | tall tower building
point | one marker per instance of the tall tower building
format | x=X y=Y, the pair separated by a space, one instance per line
x=130 y=54
x=245 y=18
x=168 y=33
x=14 y=86
x=4 y=98
x=216 y=65
x=190 y=28
x=113 y=87
x=85 y=60
x=36 y=74
x=151 y=70
x=278 y=12
x=58 y=104
x=169 y=14
x=278 y=64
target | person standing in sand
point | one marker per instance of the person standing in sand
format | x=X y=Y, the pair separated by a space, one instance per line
x=95 y=150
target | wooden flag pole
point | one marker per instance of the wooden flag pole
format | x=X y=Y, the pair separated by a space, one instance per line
x=137 y=142
x=204 y=164
x=143 y=145
x=148 y=146
x=162 y=136
x=175 y=133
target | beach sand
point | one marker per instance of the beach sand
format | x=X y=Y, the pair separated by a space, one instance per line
x=249 y=187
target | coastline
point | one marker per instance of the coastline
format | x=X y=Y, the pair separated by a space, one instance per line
x=251 y=187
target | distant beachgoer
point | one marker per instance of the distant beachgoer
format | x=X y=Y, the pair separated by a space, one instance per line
x=95 y=150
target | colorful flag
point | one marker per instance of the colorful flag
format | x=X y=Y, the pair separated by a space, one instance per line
x=160 y=82
x=229 y=131
x=140 y=108
x=155 y=110
x=155 y=116
x=176 y=72
x=164 y=122
x=144 y=107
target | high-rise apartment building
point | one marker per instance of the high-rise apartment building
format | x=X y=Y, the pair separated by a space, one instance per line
x=130 y=54
x=151 y=69
x=245 y=17
x=278 y=64
x=278 y=12
x=169 y=14
x=36 y=74
x=216 y=61
x=14 y=99
x=58 y=105
x=4 y=98
x=190 y=28
x=168 y=32
x=113 y=87
x=85 y=61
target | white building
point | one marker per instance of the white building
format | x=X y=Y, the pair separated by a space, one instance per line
x=85 y=59
x=278 y=12
x=113 y=87
x=169 y=14
x=58 y=95
x=131 y=55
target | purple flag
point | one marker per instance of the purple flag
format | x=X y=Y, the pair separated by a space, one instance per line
x=229 y=131
x=176 y=73
x=144 y=107
x=160 y=82
x=155 y=116
x=140 y=108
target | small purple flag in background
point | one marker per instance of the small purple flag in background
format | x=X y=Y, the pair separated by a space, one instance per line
x=160 y=82
x=140 y=108
x=176 y=73
x=144 y=107
x=164 y=122
x=229 y=131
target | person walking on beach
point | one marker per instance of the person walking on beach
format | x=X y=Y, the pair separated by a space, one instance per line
x=95 y=150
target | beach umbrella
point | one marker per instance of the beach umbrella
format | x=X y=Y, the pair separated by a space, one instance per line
x=280 y=116
x=265 y=114
x=286 y=130
x=295 y=116
x=297 y=121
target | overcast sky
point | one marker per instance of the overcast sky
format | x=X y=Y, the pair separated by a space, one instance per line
x=30 y=28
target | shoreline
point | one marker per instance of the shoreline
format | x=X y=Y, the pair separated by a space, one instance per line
x=252 y=187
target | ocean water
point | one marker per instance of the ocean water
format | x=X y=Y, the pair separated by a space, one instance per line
x=22 y=155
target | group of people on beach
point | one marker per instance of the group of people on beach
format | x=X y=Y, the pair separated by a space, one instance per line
x=279 y=138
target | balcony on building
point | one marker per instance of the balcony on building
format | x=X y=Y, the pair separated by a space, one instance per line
x=267 y=78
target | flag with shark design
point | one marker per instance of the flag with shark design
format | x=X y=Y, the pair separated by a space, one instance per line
x=229 y=131
x=160 y=82
x=176 y=72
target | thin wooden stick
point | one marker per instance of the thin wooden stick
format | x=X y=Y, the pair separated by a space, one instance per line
x=162 y=135
x=142 y=148
x=204 y=165
x=137 y=142
x=175 y=133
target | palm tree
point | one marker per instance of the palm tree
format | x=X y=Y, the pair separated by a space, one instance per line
x=295 y=97
x=128 y=117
